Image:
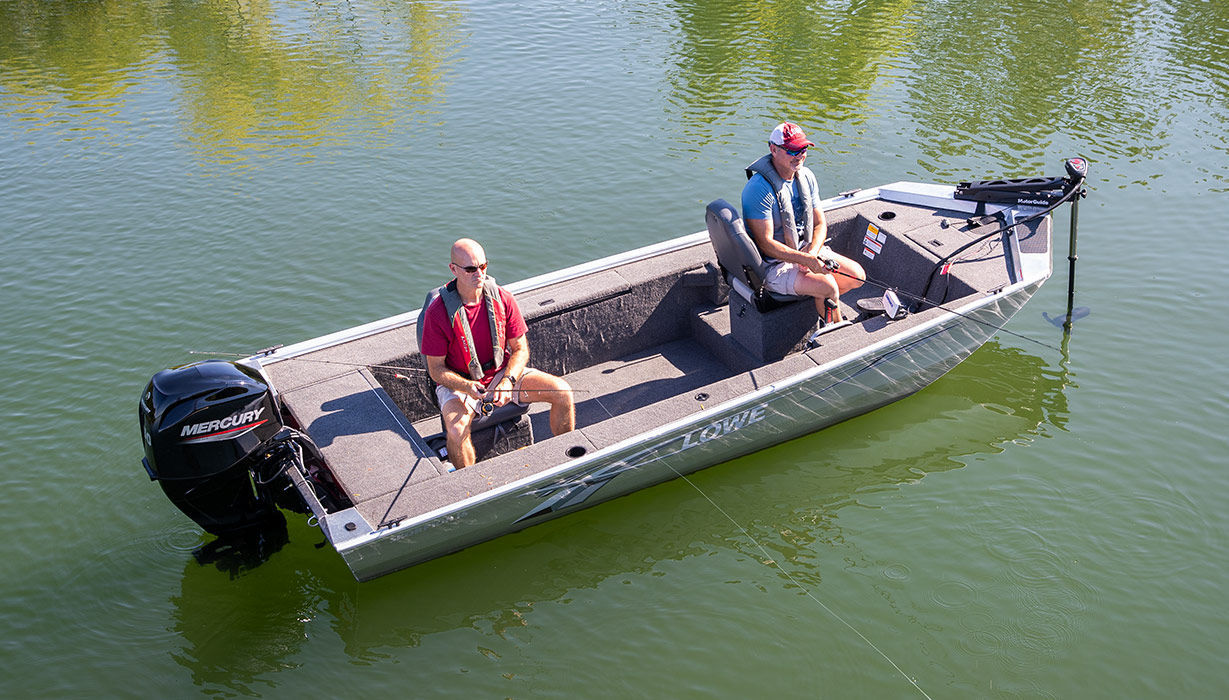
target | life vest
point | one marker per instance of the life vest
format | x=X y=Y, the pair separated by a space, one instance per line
x=804 y=184
x=496 y=315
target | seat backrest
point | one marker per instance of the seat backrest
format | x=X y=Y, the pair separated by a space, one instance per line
x=738 y=255
x=422 y=318
x=736 y=252
x=422 y=313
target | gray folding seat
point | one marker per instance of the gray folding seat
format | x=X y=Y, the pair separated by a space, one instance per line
x=739 y=258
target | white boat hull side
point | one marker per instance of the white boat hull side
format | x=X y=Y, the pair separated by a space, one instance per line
x=773 y=414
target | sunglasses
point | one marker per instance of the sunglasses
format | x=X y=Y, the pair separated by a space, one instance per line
x=471 y=269
x=794 y=151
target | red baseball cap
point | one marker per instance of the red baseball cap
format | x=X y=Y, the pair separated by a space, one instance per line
x=789 y=135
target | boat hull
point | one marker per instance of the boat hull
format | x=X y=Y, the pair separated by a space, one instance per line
x=802 y=404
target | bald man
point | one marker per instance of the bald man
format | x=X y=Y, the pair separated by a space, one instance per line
x=476 y=349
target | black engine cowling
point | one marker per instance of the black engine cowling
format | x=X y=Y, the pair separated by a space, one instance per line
x=215 y=442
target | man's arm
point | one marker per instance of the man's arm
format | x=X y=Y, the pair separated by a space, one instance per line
x=444 y=376
x=819 y=232
x=761 y=233
x=518 y=359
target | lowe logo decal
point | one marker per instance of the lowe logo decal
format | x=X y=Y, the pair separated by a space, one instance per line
x=574 y=491
x=723 y=427
x=231 y=426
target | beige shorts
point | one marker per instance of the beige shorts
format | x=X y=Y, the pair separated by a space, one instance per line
x=443 y=394
x=782 y=277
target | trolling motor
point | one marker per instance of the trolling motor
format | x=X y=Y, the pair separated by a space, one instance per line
x=1077 y=171
x=215 y=442
x=1046 y=192
x=1035 y=191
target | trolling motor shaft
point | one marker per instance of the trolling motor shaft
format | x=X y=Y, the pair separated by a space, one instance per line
x=1077 y=171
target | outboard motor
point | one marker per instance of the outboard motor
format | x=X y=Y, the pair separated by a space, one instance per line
x=215 y=442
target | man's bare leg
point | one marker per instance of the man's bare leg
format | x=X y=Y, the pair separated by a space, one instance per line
x=547 y=388
x=457 y=420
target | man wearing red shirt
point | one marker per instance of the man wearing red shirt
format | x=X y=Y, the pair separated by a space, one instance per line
x=481 y=354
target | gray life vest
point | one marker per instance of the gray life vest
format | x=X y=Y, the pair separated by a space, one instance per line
x=804 y=183
x=496 y=316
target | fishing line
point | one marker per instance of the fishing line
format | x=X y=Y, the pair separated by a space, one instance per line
x=359 y=364
x=795 y=581
x=1076 y=188
x=916 y=298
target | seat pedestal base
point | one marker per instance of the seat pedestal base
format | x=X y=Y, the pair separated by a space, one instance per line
x=770 y=336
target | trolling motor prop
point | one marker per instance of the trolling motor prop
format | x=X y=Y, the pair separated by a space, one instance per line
x=215 y=442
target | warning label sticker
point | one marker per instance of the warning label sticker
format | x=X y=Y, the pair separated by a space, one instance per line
x=872 y=243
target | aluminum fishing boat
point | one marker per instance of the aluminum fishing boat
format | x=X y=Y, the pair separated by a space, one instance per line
x=679 y=358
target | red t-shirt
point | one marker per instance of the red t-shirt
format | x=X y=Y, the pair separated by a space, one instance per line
x=438 y=337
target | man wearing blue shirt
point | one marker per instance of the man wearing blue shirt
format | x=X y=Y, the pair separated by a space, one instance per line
x=782 y=213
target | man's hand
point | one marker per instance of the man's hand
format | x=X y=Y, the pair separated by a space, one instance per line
x=501 y=393
x=819 y=265
x=475 y=389
x=814 y=264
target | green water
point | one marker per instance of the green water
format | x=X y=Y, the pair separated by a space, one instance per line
x=1049 y=520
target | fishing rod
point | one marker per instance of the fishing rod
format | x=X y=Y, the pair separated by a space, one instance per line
x=396 y=374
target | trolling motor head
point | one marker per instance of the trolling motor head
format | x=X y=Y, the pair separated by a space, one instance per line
x=1077 y=168
x=1077 y=172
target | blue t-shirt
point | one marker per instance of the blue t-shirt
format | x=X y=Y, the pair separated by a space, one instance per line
x=760 y=202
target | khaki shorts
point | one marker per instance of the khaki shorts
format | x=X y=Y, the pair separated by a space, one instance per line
x=443 y=394
x=782 y=277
